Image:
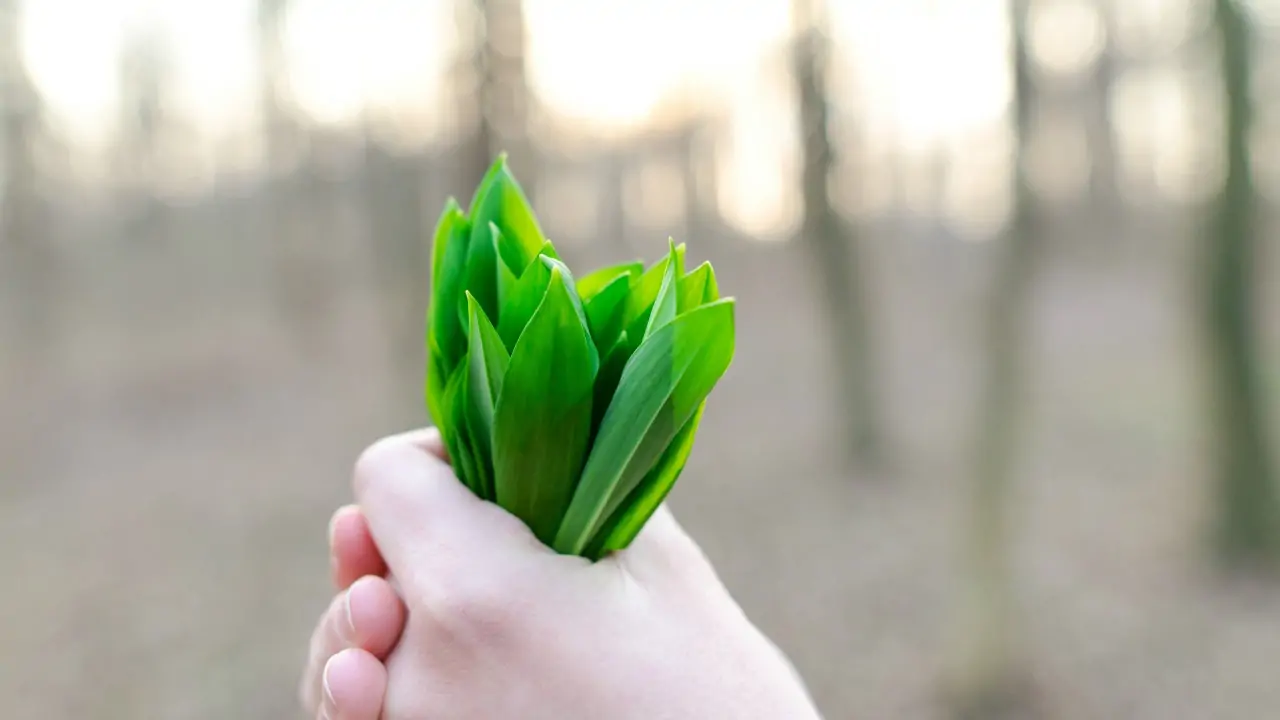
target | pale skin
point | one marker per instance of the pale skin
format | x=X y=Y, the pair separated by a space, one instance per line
x=449 y=608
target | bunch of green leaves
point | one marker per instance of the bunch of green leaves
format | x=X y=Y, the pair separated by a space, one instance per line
x=573 y=404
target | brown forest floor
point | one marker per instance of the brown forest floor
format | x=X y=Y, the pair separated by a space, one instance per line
x=167 y=483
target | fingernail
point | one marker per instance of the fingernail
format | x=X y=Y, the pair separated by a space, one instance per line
x=328 y=705
x=350 y=618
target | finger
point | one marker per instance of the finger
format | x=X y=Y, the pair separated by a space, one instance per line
x=421 y=517
x=354 y=683
x=369 y=616
x=351 y=548
x=377 y=616
x=325 y=642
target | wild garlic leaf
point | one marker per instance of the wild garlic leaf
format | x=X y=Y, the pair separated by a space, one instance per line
x=482 y=266
x=594 y=282
x=507 y=275
x=694 y=288
x=487 y=361
x=630 y=517
x=712 y=292
x=664 y=305
x=543 y=416
x=452 y=215
x=437 y=378
x=605 y=312
x=455 y=432
x=611 y=367
x=501 y=200
x=644 y=290
x=526 y=296
x=661 y=387
x=572 y=292
x=572 y=403
x=446 y=323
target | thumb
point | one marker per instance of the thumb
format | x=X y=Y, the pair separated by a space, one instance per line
x=422 y=518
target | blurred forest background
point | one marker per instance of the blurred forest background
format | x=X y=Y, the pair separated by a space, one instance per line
x=996 y=441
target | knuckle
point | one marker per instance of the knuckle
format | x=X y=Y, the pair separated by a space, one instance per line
x=375 y=461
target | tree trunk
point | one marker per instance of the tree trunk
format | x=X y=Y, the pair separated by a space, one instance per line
x=501 y=92
x=1104 y=186
x=31 y=290
x=988 y=682
x=1248 y=526
x=400 y=243
x=832 y=250
x=290 y=243
x=27 y=261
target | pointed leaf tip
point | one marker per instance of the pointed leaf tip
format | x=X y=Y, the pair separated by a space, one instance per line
x=487 y=363
x=543 y=417
x=665 y=304
x=502 y=201
x=662 y=385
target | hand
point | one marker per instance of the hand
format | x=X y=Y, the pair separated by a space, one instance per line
x=345 y=678
x=499 y=626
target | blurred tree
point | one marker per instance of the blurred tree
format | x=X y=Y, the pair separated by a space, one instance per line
x=142 y=106
x=31 y=287
x=988 y=680
x=831 y=247
x=1103 y=181
x=279 y=126
x=28 y=262
x=145 y=65
x=292 y=199
x=493 y=80
x=399 y=240
x=1248 y=529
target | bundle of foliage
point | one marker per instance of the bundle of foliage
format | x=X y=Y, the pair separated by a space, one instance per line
x=573 y=404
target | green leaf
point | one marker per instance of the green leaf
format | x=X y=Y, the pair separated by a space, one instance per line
x=630 y=517
x=507 y=276
x=543 y=416
x=712 y=292
x=446 y=295
x=594 y=282
x=451 y=216
x=524 y=299
x=663 y=384
x=487 y=362
x=486 y=182
x=454 y=429
x=644 y=291
x=696 y=287
x=482 y=267
x=631 y=337
x=437 y=377
x=664 y=306
x=611 y=367
x=499 y=199
x=605 y=311
x=571 y=290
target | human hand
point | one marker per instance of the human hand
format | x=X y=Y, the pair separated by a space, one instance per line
x=500 y=626
x=345 y=678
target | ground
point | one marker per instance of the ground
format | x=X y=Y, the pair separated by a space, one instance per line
x=170 y=471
